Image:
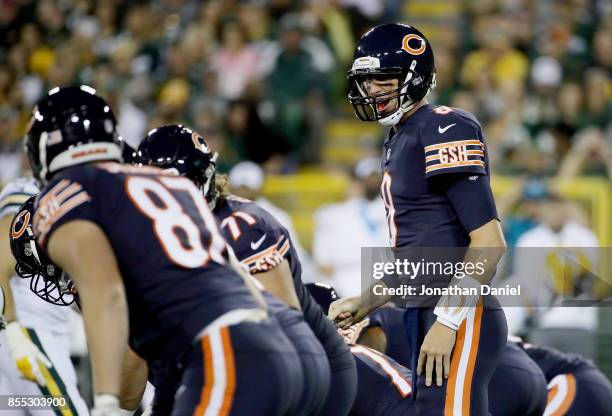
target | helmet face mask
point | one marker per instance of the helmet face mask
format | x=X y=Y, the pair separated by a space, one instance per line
x=391 y=51
x=373 y=107
x=47 y=280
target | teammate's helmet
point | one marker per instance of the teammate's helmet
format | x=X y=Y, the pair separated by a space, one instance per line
x=323 y=294
x=178 y=147
x=47 y=280
x=70 y=126
x=391 y=51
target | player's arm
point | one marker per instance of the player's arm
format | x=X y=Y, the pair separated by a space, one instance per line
x=472 y=200
x=133 y=380
x=83 y=251
x=267 y=263
x=279 y=282
x=487 y=246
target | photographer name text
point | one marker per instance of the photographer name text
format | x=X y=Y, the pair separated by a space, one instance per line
x=424 y=290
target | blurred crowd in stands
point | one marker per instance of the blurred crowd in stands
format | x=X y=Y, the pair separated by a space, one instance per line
x=261 y=78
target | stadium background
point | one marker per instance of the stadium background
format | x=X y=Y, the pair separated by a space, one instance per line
x=265 y=81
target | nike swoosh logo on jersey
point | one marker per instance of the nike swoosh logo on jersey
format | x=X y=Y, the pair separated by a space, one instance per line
x=442 y=130
x=255 y=244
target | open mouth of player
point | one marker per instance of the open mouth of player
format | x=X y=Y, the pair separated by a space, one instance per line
x=383 y=107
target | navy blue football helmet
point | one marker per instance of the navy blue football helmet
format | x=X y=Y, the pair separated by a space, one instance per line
x=71 y=126
x=47 y=280
x=391 y=51
x=180 y=148
x=323 y=294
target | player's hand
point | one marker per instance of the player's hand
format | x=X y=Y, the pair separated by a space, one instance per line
x=346 y=312
x=436 y=353
x=106 y=405
x=28 y=359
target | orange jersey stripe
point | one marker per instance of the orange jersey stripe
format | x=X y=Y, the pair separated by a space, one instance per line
x=467 y=384
x=453 y=165
x=452 y=144
x=570 y=394
x=449 y=400
x=403 y=386
x=230 y=371
x=435 y=157
x=209 y=378
x=54 y=191
x=47 y=223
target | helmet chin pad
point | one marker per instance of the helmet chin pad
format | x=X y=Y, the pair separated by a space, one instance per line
x=393 y=118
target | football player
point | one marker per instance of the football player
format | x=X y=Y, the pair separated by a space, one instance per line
x=383 y=385
x=52 y=285
x=437 y=194
x=260 y=243
x=181 y=151
x=135 y=240
x=575 y=385
x=35 y=357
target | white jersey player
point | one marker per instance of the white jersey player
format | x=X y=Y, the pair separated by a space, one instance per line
x=35 y=353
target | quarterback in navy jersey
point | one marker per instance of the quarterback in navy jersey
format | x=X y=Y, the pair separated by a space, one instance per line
x=143 y=248
x=575 y=385
x=436 y=192
x=264 y=247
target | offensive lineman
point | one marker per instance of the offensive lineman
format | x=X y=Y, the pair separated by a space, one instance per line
x=126 y=233
x=260 y=243
x=437 y=194
x=575 y=385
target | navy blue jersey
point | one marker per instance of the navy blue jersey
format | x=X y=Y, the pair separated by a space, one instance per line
x=575 y=385
x=435 y=179
x=554 y=362
x=169 y=250
x=384 y=386
x=260 y=243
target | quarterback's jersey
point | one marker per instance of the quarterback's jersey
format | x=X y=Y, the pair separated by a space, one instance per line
x=31 y=311
x=169 y=250
x=433 y=148
x=260 y=243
